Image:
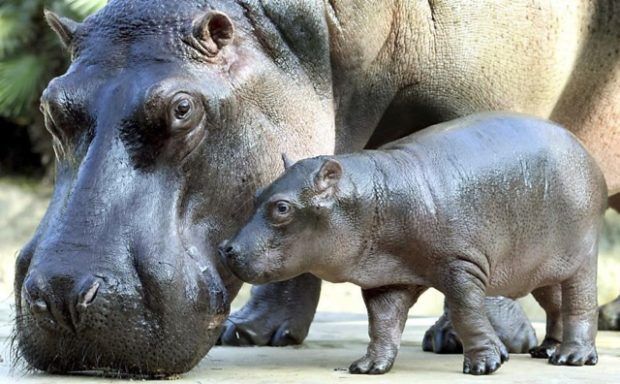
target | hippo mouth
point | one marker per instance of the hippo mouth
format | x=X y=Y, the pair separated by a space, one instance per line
x=135 y=325
x=120 y=343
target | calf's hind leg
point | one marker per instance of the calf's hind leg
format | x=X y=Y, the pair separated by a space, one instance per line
x=550 y=299
x=387 y=313
x=579 y=317
x=483 y=351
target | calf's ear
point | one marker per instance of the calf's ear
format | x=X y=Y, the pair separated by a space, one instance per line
x=214 y=30
x=328 y=176
x=288 y=162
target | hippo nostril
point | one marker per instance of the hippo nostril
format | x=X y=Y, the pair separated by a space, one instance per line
x=38 y=306
x=226 y=250
x=88 y=295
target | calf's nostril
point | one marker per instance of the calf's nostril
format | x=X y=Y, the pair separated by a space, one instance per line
x=226 y=249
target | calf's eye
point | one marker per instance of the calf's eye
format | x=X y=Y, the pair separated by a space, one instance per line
x=283 y=207
x=281 y=212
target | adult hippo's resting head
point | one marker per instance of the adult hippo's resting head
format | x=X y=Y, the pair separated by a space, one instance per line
x=169 y=118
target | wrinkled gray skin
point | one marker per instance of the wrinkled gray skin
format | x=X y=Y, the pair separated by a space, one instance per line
x=171 y=116
x=437 y=209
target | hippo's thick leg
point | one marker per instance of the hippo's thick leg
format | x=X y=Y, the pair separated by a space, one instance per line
x=550 y=298
x=483 y=351
x=579 y=318
x=609 y=314
x=387 y=313
x=507 y=318
x=277 y=314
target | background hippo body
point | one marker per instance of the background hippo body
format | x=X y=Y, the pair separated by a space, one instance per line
x=305 y=78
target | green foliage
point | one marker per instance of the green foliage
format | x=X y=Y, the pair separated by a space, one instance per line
x=30 y=53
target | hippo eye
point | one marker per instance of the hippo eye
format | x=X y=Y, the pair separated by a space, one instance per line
x=185 y=113
x=182 y=108
x=281 y=212
x=283 y=207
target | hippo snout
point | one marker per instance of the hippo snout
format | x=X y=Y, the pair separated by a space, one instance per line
x=59 y=301
x=74 y=315
x=227 y=250
x=242 y=266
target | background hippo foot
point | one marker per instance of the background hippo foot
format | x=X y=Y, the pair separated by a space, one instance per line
x=485 y=360
x=609 y=316
x=575 y=354
x=507 y=318
x=276 y=314
x=372 y=365
x=546 y=349
x=442 y=338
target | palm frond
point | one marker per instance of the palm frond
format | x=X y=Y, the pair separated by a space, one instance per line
x=84 y=8
x=15 y=30
x=20 y=83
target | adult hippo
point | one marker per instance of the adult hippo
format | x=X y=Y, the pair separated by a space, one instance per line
x=170 y=117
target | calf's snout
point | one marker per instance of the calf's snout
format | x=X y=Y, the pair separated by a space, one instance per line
x=228 y=249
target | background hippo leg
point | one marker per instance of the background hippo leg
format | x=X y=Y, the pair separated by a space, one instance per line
x=387 y=314
x=550 y=298
x=276 y=314
x=505 y=315
x=579 y=313
x=609 y=314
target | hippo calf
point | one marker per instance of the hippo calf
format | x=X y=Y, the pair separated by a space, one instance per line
x=492 y=204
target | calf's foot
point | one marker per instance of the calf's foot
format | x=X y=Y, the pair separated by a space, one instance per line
x=373 y=365
x=546 y=349
x=579 y=315
x=387 y=313
x=485 y=359
x=575 y=354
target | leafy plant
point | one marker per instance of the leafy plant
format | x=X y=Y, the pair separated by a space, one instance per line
x=30 y=56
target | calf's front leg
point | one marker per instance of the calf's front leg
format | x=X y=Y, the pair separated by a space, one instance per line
x=387 y=313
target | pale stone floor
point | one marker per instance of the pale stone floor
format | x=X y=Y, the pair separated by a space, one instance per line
x=337 y=339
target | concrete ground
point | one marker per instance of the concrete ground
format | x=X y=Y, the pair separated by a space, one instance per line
x=335 y=340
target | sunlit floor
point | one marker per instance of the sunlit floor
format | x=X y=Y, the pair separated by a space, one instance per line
x=334 y=341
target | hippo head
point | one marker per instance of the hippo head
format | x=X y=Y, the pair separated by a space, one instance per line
x=168 y=119
x=296 y=227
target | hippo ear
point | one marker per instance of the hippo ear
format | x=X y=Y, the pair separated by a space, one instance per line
x=64 y=27
x=214 y=30
x=328 y=176
x=288 y=162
